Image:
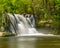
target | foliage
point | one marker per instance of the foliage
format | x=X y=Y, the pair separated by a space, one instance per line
x=44 y=10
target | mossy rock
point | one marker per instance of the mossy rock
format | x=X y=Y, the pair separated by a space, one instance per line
x=6 y=34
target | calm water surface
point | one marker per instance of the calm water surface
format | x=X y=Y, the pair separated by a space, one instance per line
x=30 y=42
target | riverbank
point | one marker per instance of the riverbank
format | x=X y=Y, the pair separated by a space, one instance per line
x=4 y=34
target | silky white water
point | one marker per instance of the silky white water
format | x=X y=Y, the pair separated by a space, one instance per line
x=23 y=27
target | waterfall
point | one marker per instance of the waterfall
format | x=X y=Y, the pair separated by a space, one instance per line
x=23 y=25
x=30 y=19
x=13 y=21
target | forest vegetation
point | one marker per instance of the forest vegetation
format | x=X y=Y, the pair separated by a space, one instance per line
x=46 y=12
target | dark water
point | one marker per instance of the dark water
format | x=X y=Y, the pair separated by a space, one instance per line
x=30 y=42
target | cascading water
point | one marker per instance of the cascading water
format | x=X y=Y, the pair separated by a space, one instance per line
x=19 y=23
x=23 y=28
x=13 y=21
x=30 y=19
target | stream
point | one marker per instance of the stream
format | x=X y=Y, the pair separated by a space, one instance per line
x=30 y=42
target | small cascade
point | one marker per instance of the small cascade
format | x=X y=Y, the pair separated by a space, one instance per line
x=23 y=25
x=20 y=25
x=13 y=21
x=30 y=19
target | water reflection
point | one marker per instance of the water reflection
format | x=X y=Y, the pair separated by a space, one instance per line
x=22 y=42
x=30 y=42
x=27 y=43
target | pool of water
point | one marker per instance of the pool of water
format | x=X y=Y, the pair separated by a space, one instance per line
x=30 y=42
x=33 y=41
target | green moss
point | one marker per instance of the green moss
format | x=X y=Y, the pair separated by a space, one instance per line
x=6 y=34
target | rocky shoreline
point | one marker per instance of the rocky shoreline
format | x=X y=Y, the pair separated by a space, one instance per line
x=6 y=34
